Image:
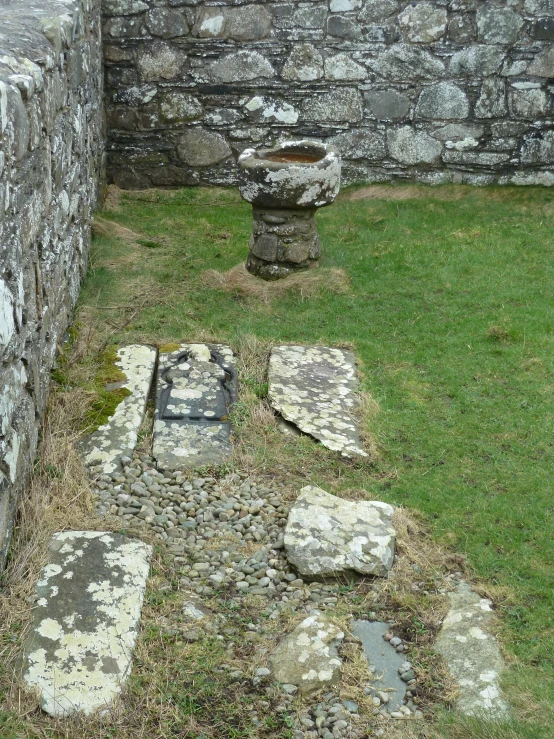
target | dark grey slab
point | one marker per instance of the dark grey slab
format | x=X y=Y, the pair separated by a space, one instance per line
x=196 y=387
x=385 y=659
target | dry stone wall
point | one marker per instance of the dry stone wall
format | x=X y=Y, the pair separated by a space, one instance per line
x=51 y=158
x=443 y=90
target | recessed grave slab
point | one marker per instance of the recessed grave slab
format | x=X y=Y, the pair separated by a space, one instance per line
x=118 y=437
x=308 y=657
x=196 y=387
x=386 y=660
x=316 y=388
x=90 y=595
x=467 y=643
x=326 y=536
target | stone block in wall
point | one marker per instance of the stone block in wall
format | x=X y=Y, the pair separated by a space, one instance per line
x=304 y=64
x=342 y=26
x=166 y=23
x=479 y=60
x=497 y=25
x=343 y=105
x=543 y=64
x=342 y=67
x=360 y=144
x=539 y=7
x=160 y=60
x=179 y=107
x=377 y=10
x=387 y=104
x=443 y=100
x=310 y=16
x=404 y=62
x=543 y=30
x=527 y=103
x=241 y=66
x=242 y=23
x=423 y=22
x=123 y=7
x=492 y=99
x=409 y=146
x=538 y=149
x=199 y=147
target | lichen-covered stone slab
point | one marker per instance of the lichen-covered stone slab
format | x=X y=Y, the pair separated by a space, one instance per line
x=118 y=437
x=308 y=657
x=196 y=387
x=326 y=536
x=90 y=595
x=316 y=388
x=384 y=658
x=467 y=643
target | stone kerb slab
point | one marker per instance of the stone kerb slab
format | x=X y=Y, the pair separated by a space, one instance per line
x=308 y=657
x=326 y=536
x=90 y=596
x=316 y=388
x=467 y=643
x=104 y=449
x=196 y=387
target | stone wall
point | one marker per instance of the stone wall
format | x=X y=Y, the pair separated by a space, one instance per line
x=443 y=90
x=51 y=158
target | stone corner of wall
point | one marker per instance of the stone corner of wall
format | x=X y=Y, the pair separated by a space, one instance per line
x=51 y=164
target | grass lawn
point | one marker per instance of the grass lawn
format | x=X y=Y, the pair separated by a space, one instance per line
x=449 y=306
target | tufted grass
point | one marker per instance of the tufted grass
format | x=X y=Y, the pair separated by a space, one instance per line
x=446 y=296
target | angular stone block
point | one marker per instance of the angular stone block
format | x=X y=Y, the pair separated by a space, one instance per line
x=118 y=437
x=326 y=536
x=196 y=387
x=90 y=595
x=467 y=643
x=315 y=387
x=308 y=657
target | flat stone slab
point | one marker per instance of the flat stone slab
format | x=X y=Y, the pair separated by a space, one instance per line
x=196 y=387
x=90 y=595
x=118 y=438
x=326 y=536
x=386 y=660
x=308 y=657
x=467 y=643
x=316 y=388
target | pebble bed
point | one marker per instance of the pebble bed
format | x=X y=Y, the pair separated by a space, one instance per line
x=226 y=538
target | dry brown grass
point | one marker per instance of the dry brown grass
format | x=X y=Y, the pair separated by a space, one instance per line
x=409 y=192
x=238 y=281
x=58 y=499
x=112 y=198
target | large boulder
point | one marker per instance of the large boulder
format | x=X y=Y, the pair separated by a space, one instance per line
x=326 y=536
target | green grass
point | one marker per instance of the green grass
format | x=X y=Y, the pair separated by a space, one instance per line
x=450 y=313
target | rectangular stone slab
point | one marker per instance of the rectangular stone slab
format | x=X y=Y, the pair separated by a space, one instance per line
x=196 y=387
x=85 y=624
x=468 y=645
x=316 y=388
x=118 y=437
x=384 y=658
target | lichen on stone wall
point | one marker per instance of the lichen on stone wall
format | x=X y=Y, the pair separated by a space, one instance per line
x=391 y=73
x=51 y=158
